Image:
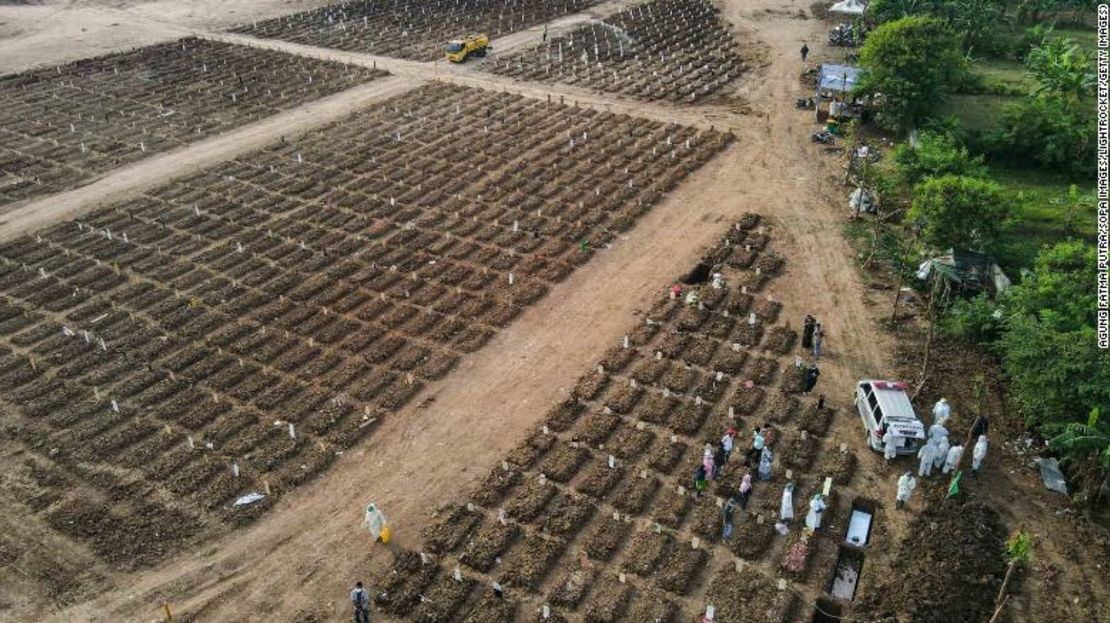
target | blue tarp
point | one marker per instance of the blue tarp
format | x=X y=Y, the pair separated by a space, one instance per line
x=837 y=77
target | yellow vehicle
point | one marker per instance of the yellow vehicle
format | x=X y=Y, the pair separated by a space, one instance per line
x=459 y=51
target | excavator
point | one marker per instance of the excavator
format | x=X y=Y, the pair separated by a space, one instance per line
x=460 y=50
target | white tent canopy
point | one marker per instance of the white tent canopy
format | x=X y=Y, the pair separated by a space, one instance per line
x=849 y=7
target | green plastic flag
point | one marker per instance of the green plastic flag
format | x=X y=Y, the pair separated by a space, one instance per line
x=954 y=486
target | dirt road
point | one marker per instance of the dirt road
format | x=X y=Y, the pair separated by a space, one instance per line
x=303 y=555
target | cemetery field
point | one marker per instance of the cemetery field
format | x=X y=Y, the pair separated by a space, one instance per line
x=62 y=126
x=236 y=331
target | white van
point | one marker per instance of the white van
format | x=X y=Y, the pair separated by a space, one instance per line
x=884 y=405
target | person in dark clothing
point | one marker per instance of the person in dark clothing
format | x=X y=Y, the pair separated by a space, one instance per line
x=808 y=326
x=812 y=372
x=979 y=426
x=727 y=511
x=360 y=600
x=700 y=481
x=805 y=52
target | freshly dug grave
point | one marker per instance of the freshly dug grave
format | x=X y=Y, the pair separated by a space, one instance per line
x=495 y=486
x=646 y=551
x=762 y=370
x=798 y=451
x=590 y=386
x=562 y=463
x=666 y=454
x=606 y=538
x=572 y=587
x=450 y=531
x=400 y=591
x=951 y=566
x=671 y=508
x=749 y=595
x=567 y=516
x=656 y=408
x=779 y=407
x=608 y=600
x=524 y=455
x=600 y=479
x=443 y=599
x=526 y=565
x=492 y=609
x=780 y=340
x=815 y=420
x=564 y=415
x=634 y=496
x=838 y=465
x=751 y=538
x=529 y=499
x=491 y=540
x=679 y=568
x=596 y=427
x=652 y=606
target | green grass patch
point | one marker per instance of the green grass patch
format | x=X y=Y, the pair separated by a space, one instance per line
x=977 y=113
x=1043 y=214
x=1087 y=38
x=1003 y=77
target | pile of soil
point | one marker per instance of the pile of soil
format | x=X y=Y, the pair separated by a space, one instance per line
x=951 y=567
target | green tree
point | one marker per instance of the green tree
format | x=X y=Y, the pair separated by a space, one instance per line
x=1048 y=347
x=1054 y=126
x=935 y=154
x=912 y=63
x=958 y=211
x=1062 y=69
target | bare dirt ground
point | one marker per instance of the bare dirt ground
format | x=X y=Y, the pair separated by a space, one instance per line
x=302 y=557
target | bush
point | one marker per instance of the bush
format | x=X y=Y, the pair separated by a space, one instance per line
x=957 y=211
x=1047 y=131
x=936 y=154
x=976 y=320
x=912 y=63
x=1048 y=346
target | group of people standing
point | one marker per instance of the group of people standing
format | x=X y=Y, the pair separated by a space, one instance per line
x=938 y=452
x=813 y=337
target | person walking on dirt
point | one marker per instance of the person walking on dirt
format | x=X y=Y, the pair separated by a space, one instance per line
x=727 y=443
x=906 y=484
x=979 y=426
x=745 y=490
x=936 y=431
x=756 y=448
x=812 y=372
x=942 y=452
x=941 y=411
x=544 y=40
x=978 y=453
x=727 y=512
x=707 y=462
x=700 y=483
x=890 y=446
x=765 y=464
x=953 y=458
x=818 y=340
x=808 y=326
x=805 y=52
x=927 y=455
x=360 y=601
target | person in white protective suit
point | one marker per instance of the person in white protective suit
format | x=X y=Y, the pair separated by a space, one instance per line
x=942 y=453
x=786 y=509
x=941 y=411
x=927 y=455
x=936 y=431
x=890 y=446
x=906 y=485
x=978 y=453
x=816 y=508
x=953 y=458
